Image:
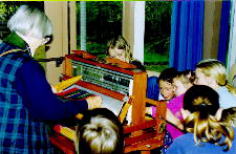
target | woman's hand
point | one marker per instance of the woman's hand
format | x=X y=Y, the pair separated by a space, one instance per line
x=94 y=102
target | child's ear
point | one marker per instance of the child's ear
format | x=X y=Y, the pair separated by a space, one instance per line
x=219 y=114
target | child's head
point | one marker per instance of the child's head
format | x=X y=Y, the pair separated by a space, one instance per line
x=119 y=48
x=201 y=97
x=181 y=83
x=190 y=75
x=166 y=83
x=201 y=104
x=229 y=116
x=100 y=132
x=210 y=72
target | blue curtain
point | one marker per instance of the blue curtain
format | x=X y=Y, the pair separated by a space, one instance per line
x=186 y=41
x=224 y=31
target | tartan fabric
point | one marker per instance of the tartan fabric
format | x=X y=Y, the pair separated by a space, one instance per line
x=18 y=132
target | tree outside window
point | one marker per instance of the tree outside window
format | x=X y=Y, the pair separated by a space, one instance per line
x=157 y=34
x=104 y=21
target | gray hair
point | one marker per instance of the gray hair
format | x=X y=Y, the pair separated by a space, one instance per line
x=30 y=20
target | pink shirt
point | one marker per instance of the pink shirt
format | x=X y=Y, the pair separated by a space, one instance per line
x=175 y=105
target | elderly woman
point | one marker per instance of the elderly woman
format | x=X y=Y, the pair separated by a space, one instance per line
x=26 y=98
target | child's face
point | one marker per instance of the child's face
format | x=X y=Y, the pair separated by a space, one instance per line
x=180 y=88
x=200 y=78
x=117 y=53
x=166 y=89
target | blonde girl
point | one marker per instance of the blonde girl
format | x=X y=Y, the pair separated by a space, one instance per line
x=119 y=48
x=229 y=116
x=212 y=73
x=100 y=131
x=181 y=83
x=205 y=133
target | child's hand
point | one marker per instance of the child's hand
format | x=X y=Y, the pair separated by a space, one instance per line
x=94 y=102
x=148 y=110
x=129 y=115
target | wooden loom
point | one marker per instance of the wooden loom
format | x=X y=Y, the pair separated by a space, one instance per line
x=144 y=135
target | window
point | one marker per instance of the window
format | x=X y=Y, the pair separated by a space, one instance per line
x=104 y=21
x=157 y=34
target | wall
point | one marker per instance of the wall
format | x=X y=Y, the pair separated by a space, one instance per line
x=64 y=38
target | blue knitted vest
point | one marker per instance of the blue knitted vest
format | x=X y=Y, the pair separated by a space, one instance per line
x=19 y=133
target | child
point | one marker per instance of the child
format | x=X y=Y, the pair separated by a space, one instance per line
x=119 y=48
x=166 y=90
x=165 y=84
x=205 y=133
x=181 y=83
x=229 y=116
x=212 y=73
x=100 y=132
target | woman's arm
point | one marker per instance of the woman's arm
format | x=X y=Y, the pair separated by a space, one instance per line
x=38 y=98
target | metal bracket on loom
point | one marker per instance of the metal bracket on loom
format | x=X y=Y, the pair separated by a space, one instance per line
x=58 y=60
